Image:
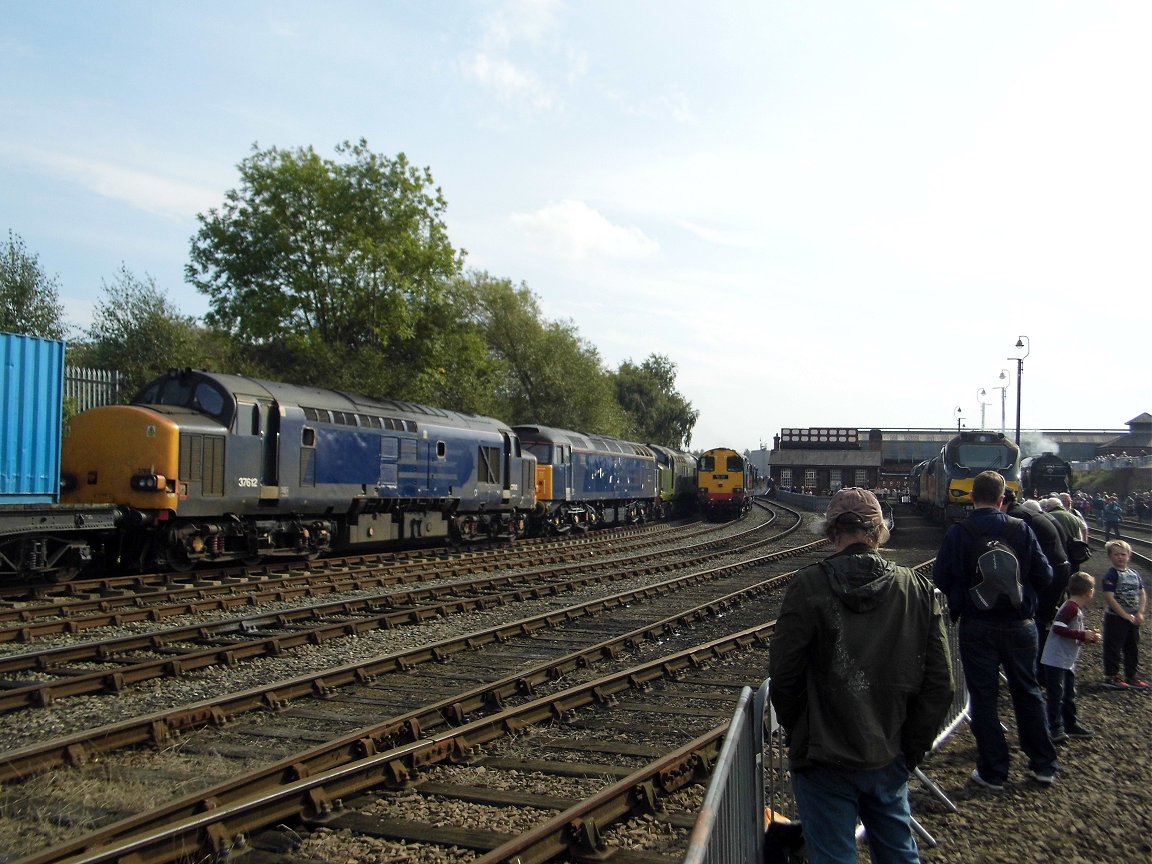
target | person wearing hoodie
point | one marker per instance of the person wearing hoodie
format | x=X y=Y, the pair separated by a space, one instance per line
x=861 y=682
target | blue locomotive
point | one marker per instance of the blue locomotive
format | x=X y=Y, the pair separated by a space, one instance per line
x=210 y=467
x=587 y=480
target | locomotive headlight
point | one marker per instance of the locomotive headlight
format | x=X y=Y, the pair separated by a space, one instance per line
x=149 y=482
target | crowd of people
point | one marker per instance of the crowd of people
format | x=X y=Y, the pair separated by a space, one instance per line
x=860 y=665
x=1104 y=508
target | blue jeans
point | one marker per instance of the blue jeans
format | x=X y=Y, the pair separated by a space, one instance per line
x=1060 y=685
x=985 y=646
x=831 y=801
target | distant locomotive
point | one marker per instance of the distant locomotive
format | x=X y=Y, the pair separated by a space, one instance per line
x=587 y=480
x=677 y=481
x=1042 y=475
x=942 y=486
x=725 y=482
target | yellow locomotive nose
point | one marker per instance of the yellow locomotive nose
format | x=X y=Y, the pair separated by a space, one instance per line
x=121 y=454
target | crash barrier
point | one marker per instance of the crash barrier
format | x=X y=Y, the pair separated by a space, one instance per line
x=750 y=783
x=730 y=827
x=750 y=772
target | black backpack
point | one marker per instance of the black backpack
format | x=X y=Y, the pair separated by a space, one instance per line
x=994 y=570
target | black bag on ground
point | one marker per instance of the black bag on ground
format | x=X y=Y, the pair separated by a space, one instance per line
x=996 y=571
x=784 y=843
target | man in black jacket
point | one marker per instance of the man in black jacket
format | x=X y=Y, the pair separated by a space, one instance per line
x=1000 y=637
x=861 y=681
x=1053 y=542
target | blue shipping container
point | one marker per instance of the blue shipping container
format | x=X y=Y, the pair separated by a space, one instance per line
x=31 y=413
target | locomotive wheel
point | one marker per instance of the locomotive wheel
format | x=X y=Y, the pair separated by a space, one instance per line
x=62 y=574
x=175 y=557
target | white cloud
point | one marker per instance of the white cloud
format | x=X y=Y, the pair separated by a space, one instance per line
x=574 y=231
x=727 y=237
x=509 y=82
x=145 y=191
x=520 y=21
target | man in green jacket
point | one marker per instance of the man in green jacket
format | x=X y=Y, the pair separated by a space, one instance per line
x=861 y=682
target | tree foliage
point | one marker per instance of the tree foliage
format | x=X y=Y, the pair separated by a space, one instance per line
x=29 y=299
x=549 y=375
x=334 y=271
x=658 y=414
x=134 y=331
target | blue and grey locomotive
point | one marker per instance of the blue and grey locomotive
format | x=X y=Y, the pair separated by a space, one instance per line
x=585 y=480
x=213 y=467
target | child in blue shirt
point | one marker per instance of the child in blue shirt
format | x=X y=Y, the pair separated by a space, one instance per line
x=1125 y=601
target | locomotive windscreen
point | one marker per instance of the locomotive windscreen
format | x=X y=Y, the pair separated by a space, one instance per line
x=985 y=456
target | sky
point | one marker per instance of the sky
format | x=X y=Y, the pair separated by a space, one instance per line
x=833 y=213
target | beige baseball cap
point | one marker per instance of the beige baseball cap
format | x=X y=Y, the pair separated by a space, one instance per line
x=855 y=500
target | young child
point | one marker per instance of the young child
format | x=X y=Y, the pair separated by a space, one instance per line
x=1058 y=663
x=1125 y=601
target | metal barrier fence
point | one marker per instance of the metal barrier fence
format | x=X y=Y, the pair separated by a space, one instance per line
x=752 y=770
x=730 y=827
x=90 y=388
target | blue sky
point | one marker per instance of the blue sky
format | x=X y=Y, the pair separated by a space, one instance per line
x=825 y=213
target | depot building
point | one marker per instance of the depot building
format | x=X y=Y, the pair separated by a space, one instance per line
x=819 y=460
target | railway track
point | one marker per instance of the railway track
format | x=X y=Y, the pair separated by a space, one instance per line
x=35 y=678
x=1139 y=537
x=305 y=709
x=670 y=708
x=20 y=602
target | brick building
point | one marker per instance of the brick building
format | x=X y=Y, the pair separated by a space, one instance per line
x=822 y=459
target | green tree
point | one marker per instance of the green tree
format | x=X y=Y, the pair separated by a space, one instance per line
x=547 y=373
x=29 y=299
x=657 y=412
x=134 y=331
x=334 y=271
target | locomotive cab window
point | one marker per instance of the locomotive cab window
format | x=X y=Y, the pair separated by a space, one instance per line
x=247 y=418
x=307 y=437
x=441 y=449
x=542 y=452
x=736 y=463
x=707 y=463
x=189 y=392
x=981 y=457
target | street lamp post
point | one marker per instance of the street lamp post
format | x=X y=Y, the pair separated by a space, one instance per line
x=958 y=419
x=1026 y=344
x=980 y=397
x=1006 y=377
